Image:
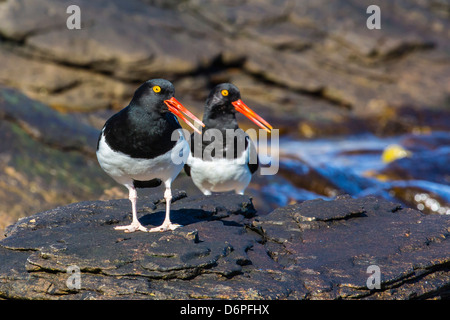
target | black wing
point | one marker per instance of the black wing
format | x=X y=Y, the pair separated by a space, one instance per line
x=187 y=169
x=147 y=184
x=127 y=131
x=241 y=142
x=253 y=160
x=207 y=148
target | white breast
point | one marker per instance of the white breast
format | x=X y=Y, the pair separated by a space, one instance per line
x=124 y=169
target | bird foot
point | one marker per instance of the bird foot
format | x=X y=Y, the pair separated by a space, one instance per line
x=132 y=228
x=165 y=227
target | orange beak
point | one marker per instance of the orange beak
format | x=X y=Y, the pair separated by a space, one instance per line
x=178 y=109
x=249 y=113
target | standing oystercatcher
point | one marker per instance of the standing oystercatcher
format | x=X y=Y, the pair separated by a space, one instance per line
x=223 y=158
x=142 y=145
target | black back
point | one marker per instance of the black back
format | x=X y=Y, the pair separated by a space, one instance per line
x=144 y=128
x=139 y=134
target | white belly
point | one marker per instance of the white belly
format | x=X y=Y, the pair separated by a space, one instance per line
x=219 y=175
x=124 y=169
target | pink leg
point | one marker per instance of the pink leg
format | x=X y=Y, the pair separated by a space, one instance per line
x=167 y=225
x=135 y=224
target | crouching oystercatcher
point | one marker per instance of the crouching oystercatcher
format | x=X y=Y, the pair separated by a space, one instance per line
x=223 y=158
x=142 y=145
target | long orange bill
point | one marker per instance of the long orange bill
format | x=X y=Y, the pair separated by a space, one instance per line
x=249 y=113
x=177 y=108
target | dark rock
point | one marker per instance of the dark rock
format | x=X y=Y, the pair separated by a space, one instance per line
x=47 y=159
x=313 y=250
x=322 y=180
x=331 y=245
x=45 y=124
x=427 y=197
x=314 y=63
x=392 y=120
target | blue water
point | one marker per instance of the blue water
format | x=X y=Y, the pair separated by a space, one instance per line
x=356 y=154
x=352 y=164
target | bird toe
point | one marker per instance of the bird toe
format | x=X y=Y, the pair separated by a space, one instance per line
x=165 y=227
x=131 y=228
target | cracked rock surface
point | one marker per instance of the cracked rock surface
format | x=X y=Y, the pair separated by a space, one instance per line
x=314 y=250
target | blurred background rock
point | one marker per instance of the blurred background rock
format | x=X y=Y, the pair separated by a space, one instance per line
x=359 y=111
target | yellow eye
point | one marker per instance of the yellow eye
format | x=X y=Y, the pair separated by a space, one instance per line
x=224 y=93
x=157 y=89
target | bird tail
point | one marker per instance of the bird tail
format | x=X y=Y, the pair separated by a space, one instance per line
x=147 y=184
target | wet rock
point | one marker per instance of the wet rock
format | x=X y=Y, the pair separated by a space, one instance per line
x=328 y=181
x=420 y=180
x=428 y=197
x=417 y=195
x=426 y=142
x=429 y=166
x=314 y=250
x=303 y=176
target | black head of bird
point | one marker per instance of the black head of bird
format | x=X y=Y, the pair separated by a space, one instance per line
x=157 y=95
x=224 y=100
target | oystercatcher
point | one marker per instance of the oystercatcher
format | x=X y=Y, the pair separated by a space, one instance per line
x=142 y=145
x=223 y=158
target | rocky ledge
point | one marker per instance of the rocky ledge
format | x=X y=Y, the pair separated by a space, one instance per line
x=313 y=250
